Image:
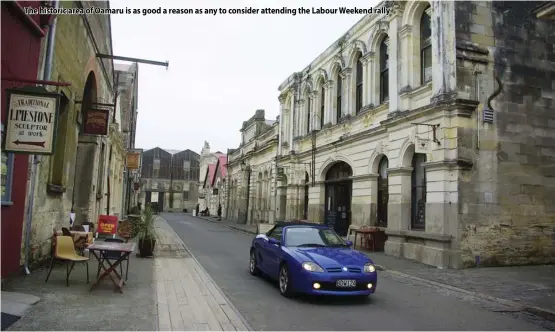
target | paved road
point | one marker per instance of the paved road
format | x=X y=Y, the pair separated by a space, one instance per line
x=397 y=305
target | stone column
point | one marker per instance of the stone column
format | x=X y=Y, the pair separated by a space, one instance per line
x=408 y=71
x=291 y=123
x=346 y=95
x=392 y=52
x=281 y=120
x=444 y=78
x=360 y=202
x=373 y=180
x=328 y=102
x=368 y=82
x=398 y=209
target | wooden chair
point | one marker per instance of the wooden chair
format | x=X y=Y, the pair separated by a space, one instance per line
x=64 y=250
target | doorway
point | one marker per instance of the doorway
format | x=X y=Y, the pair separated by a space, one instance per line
x=383 y=192
x=338 y=194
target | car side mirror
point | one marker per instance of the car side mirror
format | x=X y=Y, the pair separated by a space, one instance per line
x=349 y=243
x=273 y=241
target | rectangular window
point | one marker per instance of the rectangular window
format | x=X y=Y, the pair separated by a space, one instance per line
x=384 y=86
x=426 y=58
x=185 y=195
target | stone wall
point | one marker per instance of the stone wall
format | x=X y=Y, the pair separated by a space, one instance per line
x=508 y=214
x=74 y=59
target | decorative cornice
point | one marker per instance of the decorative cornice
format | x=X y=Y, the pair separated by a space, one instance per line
x=346 y=72
x=405 y=30
x=399 y=170
x=369 y=56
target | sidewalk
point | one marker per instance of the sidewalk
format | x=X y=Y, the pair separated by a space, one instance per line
x=523 y=288
x=188 y=298
x=75 y=308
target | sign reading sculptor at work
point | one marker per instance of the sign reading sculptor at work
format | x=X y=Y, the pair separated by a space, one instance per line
x=31 y=121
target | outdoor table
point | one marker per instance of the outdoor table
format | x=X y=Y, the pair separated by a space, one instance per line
x=98 y=248
x=373 y=231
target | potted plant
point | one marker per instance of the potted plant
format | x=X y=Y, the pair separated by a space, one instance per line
x=145 y=233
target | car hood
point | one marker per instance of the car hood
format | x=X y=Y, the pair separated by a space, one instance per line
x=331 y=257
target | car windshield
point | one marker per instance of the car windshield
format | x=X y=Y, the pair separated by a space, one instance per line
x=312 y=237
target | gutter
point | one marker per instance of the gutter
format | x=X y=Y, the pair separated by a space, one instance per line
x=46 y=74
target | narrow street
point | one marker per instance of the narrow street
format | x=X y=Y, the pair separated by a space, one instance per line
x=397 y=305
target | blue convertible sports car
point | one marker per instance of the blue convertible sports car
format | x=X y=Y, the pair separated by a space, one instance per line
x=312 y=259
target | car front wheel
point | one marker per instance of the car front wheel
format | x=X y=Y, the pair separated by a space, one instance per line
x=253 y=269
x=285 y=282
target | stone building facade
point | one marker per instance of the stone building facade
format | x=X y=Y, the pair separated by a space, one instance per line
x=76 y=177
x=435 y=123
x=169 y=178
x=207 y=158
x=252 y=173
x=127 y=78
x=214 y=187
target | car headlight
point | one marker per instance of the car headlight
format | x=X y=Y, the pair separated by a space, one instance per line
x=312 y=267
x=369 y=268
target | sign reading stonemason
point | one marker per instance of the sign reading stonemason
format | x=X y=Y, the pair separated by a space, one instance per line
x=97 y=122
x=32 y=120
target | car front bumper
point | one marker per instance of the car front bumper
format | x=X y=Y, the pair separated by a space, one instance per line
x=327 y=282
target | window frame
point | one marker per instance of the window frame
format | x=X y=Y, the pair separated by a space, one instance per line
x=384 y=71
x=6 y=199
x=425 y=45
x=359 y=85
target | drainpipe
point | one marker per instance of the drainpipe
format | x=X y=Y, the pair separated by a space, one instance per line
x=36 y=159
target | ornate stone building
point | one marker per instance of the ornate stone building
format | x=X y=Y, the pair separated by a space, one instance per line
x=435 y=123
x=252 y=173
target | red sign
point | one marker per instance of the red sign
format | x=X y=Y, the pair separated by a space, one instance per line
x=96 y=122
x=107 y=224
x=136 y=186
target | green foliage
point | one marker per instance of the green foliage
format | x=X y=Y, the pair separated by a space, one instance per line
x=143 y=228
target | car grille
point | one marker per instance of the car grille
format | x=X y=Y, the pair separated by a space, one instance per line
x=338 y=269
x=330 y=286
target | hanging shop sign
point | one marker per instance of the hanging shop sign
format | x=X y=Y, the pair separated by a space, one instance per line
x=32 y=121
x=136 y=186
x=133 y=160
x=96 y=122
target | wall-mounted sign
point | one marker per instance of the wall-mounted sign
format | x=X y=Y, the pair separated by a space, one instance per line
x=31 y=121
x=215 y=191
x=97 y=122
x=136 y=186
x=133 y=160
x=280 y=174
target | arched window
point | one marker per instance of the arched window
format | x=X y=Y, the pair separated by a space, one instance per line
x=322 y=105
x=339 y=92
x=384 y=71
x=425 y=47
x=359 y=84
x=308 y=110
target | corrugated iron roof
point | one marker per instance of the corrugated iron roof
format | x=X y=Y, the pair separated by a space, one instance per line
x=210 y=174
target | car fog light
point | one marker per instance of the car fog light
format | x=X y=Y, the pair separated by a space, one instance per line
x=316 y=285
x=370 y=286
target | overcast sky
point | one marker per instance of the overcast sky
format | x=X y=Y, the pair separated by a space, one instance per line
x=222 y=68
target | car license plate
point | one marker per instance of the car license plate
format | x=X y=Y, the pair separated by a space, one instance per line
x=346 y=283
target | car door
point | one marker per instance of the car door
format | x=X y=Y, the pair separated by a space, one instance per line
x=272 y=252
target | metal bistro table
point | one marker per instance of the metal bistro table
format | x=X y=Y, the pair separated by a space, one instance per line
x=98 y=248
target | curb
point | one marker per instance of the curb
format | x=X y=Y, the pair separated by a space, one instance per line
x=541 y=312
x=231 y=305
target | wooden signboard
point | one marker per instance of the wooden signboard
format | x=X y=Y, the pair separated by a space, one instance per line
x=133 y=160
x=31 y=121
x=97 y=122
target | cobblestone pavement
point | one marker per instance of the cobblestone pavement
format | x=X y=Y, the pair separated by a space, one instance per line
x=187 y=297
x=524 y=288
x=400 y=303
